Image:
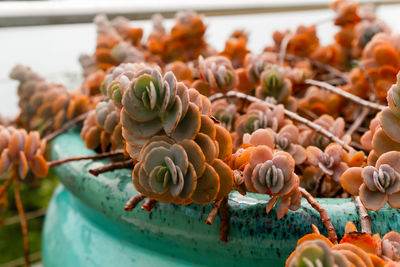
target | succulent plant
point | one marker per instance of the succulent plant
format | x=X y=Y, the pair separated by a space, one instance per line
x=184 y=171
x=255 y=65
x=128 y=33
x=377 y=185
x=259 y=115
x=320 y=101
x=329 y=160
x=287 y=140
x=218 y=72
x=391 y=246
x=91 y=86
x=274 y=84
x=22 y=152
x=154 y=104
x=125 y=52
x=236 y=48
x=225 y=112
x=102 y=127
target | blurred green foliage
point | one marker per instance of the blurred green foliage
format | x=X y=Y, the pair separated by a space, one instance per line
x=34 y=196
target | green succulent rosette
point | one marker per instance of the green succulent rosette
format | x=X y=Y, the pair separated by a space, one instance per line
x=154 y=105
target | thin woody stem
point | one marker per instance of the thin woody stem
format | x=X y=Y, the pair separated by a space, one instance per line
x=224 y=223
x=292 y=115
x=326 y=220
x=4 y=187
x=66 y=127
x=24 y=225
x=360 y=118
x=346 y=95
x=213 y=212
x=149 y=204
x=133 y=201
x=97 y=156
x=365 y=219
x=112 y=167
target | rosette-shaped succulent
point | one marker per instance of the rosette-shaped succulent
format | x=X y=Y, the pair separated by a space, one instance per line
x=329 y=161
x=273 y=174
x=335 y=126
x=287 y=140
x=155 y=105
x=259 y=115
x=218 y=73
x=274 y=84
x=119 y=78
x=22 y=152
x=391 y=246
x=377 y=185
x=187 y=170
x=102 y=127
x=225 y=112
x=315 y=253
x=255 y=65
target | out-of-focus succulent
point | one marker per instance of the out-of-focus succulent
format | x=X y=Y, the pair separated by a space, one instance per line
x=391 y=246
x=377 y=185
x=329 y=161
x=88 y=64
x=225 y=112
x=125 y=52
x=154 y=105
x=102 y=127
x=183 y=72
x=45 y=105
x=218 y=72
x=365 y=31
x=346 y=12
x=255 y=65
x=21 y=153
x=236 y=48
x=274 y=84
x=320 y=101
x=92 y=84
x=128 y=33
x=259 y=115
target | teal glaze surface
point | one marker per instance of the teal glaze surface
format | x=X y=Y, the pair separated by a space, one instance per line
x=86 y=224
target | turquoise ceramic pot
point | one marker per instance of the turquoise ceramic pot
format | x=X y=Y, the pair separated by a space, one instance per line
x=86 y=224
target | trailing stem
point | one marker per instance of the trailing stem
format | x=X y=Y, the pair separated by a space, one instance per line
x=4 y=187
x=213 y=212
x=66 y=127
x=133 y=201
x=21 y=213
x=292 y=115
x=113 y=166
x=347 y=95
x=365 y=219
x=224 y=223
x=359 y=120
x=97 y=156
x=149 y=204
x=326 y=220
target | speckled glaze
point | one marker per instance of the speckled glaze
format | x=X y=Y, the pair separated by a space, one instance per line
x=86 y=224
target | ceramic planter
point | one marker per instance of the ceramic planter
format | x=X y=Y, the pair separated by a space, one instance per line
x=86 y=224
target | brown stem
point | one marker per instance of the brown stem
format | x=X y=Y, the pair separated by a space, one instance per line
x=224 y=224
x=365 y=219
x=319 y=129
x=133 y=201
x=66 y=126
x=360 y=119
x=4 y=187
x=347 y=95
x=326 y=220
x=113 y=166
x=213 y=212
x=97 y=156
x=149 y=204
x=24 y=225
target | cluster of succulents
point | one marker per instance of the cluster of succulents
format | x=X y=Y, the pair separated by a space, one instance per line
x=355 y=249
x=198 y=123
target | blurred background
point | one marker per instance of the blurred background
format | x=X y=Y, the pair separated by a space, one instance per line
x=49 y=36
